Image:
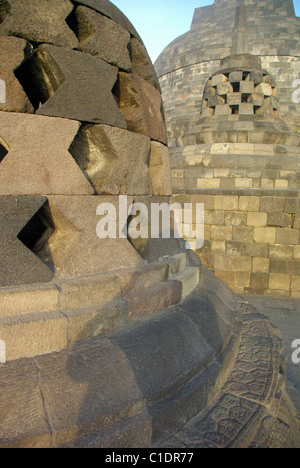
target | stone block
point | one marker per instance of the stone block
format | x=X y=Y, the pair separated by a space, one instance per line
x=280 y=220
x=295 y=286
x=242 y=234
x=223 y=110
x=13 y=52
x=31 y=23
x=224 y=88
x=141 y=63
x=265 y=235
x=113 y=159
x=22 y=401
x=146 y=276
x=109 y=10
x=31 y=335
x=215 y=100
x=219 y=78
x=208 y=183
x=39 y=142
x=76 y=222
x=67 y=84
x=235 y=77
x=257 y=219
x=261 y=264
x=214 y=217
x=246 y=109
x=259 y=281
x=235 y=218
x=221 y=233
x=292 y=205
x=249 y=203
x=234 y=99
x=18 y=264
x=28 y=299
x=102 y=37
x=256 y=76
x=150 y=300
x=86 y=292
x=256 y=99
x=246 y=87
x=287 y=236
x=226 y=203
x=218 y=247
x=272 y=204
x=95 y=321
x=281 y=252
x=189 y=280
x=264 y=88
x=141 y=106
x=159 y=169
x=279 y=282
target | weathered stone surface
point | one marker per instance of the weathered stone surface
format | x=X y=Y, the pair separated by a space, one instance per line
x=114 y=160
x=22 y=402
x=86 y=291
x=28 y=299
x=29 y=20
x=30 y=335
x=38 y=155
x=82 y=371
x=111 y=11
x=67 y=83
x=13 y=51
x=103 y=38
x=141 y=106
x=76 y=221
x=18 y=264
x=159 y=168
x=141 y=63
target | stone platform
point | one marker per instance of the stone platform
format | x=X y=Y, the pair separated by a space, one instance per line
x=143 y=384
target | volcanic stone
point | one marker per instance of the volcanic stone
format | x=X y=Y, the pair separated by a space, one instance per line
x=39 y=21
x=115 y=160
x=141 y=106
x=38 y=154
x=74 y=85
x=12 y=52
x=103 y=37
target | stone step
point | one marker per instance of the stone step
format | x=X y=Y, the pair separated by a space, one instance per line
x=86 y=291
x=88 y=307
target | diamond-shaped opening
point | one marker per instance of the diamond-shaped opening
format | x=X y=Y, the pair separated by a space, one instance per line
x=37 y=232
x=236 y=87
x=80 y=25
x=40 y=77
x=3 y=152
x=4 y=10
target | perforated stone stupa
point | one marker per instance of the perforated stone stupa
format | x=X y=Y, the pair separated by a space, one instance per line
x=233 y=124
x=110 y=342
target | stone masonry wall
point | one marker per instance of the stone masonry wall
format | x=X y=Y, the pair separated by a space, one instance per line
x=251 y=240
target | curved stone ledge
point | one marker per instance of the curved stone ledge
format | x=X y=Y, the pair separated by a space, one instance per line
x=150 y=377
x=206 y=372
x=44 y=318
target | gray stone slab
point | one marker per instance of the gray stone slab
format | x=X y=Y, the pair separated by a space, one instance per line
x=74 y=85
x=111 y=11
x=29 y=20
x=38 y=156
x=102 y=37
x=114 y=160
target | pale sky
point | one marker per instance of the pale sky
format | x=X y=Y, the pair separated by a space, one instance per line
x=159 y=22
